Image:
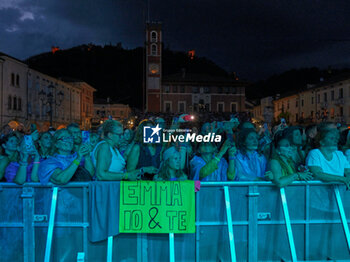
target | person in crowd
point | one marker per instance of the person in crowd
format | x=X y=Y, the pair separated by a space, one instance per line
x=25 y=169
x=246 y=125
x=326 y=162
x=44 y=145
x=211 y=166
x=144 y=154
x=94 y=139
x=9 y=144
x=110 y=164
x=62 y=165
x=171 y=166
x=75 y=131
x=250 y=165
x=127 y=143
x=294 y=135
x=282 y=166
x=310 y=143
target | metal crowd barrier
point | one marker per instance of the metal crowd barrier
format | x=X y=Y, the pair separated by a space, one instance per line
x=235 y=221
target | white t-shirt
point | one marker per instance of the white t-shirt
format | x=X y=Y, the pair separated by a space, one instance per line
x=334 y=167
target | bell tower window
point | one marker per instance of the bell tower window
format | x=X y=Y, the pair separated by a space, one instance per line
x=154 y=36
x=153 y=49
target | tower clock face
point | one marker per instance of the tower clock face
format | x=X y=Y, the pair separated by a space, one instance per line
x=154 y=69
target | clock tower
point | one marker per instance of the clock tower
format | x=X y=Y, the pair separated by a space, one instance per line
x=153 y=66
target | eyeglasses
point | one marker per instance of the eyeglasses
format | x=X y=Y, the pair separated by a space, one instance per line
x=117 y=134
x=65 y=139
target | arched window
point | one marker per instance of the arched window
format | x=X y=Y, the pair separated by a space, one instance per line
x=153 y=49
x=154 y=36
x=15 y=103
x=9 y=103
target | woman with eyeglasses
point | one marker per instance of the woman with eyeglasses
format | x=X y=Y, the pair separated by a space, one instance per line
x=283 y=167
x=61 y=166
x=109 y=163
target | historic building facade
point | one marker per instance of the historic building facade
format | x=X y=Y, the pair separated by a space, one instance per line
x=25 y=94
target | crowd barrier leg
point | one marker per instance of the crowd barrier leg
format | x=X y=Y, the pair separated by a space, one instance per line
x=342 y=215
x=51 y=224
x=110 y=249
x=171 y=247
x=229 y=224
x=288 y=225
x=28 y=224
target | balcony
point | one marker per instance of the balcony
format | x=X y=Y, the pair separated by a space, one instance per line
x=339 y=101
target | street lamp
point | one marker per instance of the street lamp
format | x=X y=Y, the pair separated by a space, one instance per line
x=50 y=99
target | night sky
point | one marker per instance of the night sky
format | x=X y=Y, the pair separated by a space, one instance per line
x=252 y=37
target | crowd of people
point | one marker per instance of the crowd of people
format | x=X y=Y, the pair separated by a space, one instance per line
x=281 y=154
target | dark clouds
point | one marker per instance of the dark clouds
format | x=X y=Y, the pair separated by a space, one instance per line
x=254 y=38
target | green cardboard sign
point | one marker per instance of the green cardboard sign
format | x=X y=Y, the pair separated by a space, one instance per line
x=157 y=207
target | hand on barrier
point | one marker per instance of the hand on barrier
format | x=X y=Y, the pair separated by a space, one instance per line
x=346 y=181
x=134 y=175
x=305 y=176
x=269 y=175
x=150 y=170
x=84 y=149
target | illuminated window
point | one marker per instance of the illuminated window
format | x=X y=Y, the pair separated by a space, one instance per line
x=154 y=36
x=153 y=49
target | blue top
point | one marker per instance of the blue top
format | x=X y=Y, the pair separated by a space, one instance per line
x=48 y=166
x=11 y=171
x=219 y=174
x=250 y=167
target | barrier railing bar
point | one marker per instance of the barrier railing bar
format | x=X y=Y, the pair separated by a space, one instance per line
x=171 y=247
x=342 y=215
x=110 y=249
x=229 y=224
x=198 y=224
x=28 y=221
x=253 y=223
x=51 y=225
x=288 y=225
x=307 y=225
x=85 y=220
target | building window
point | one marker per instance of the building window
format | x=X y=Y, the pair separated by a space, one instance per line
x=207 y=107
x=182 y=89
x=341 y=93
x=195 y=89
x=332 y=95
x=220 y=90
x=174 y=89
x=15 y=103
x=17 y=80
x=153 y=49
x=312 y=114
x=341 y=111
x=9 y=103
x=167 y=106
x=220 y=107
x=166 y=89
x=233 y=90
x=318 y=98
x=325 y=97
x=287 y=104
x=13 y=79
x=296 y=103
x=302 y=102
x=19 y=104
x=226 y=90
x=233 y=107
x=154 y=36
x=182 y=106
x=296 y=117
x=206 y=90
x=312 y=100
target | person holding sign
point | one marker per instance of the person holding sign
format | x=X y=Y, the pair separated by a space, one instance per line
x=170 y=168
x=213 y=167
